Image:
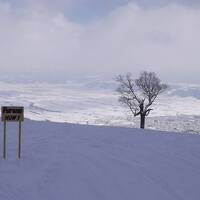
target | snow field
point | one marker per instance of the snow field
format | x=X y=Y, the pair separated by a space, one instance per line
x=68 y=161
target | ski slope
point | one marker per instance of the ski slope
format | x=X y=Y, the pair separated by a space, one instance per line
x=63 y=161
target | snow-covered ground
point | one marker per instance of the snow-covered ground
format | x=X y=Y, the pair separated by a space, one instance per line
x=68 y=161
x=94 y=101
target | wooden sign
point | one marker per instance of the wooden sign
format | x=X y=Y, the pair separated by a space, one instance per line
x=12 y=113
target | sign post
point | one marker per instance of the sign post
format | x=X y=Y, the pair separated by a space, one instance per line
x=4 y=141
x=20 y=137
x=12 y=114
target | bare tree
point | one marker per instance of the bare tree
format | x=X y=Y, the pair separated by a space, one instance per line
x=139 y=94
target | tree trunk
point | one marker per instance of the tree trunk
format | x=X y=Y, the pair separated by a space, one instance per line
x=142 y=121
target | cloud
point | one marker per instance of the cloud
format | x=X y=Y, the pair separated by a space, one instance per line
x=41 y=42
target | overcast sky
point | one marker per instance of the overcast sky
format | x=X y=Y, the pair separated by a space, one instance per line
x=48 y=39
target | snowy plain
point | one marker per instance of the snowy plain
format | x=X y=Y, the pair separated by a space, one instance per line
x=70 y=161
x=95 y=102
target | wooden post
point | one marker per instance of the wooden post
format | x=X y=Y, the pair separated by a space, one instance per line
x=20 y=135
x=4 y=141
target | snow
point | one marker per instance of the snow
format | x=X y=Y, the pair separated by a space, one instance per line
x=70 y=161
x=95 y=101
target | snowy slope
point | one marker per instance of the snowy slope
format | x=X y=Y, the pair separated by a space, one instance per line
x=76 y=162
x=85 y=102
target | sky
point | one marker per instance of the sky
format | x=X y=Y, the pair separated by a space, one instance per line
x=58 y=40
